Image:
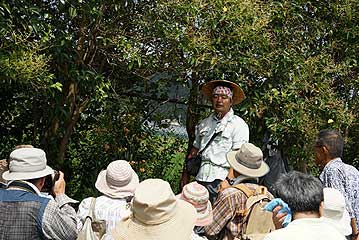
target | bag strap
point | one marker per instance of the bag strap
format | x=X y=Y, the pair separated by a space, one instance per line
x=91 y=213
x=209 y=142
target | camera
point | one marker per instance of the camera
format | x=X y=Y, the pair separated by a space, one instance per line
x=50 y=183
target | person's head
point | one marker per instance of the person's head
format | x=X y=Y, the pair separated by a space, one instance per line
x=28 y=164
x=156 y=214
x=302 y=192
x=119 y=180
x=248 y=161
x=223 y=95
x=198 y=196
x=328 y=145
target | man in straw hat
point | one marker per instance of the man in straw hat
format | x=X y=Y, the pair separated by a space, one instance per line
x=117 y=184
x=156 y=214
x=248 y=166
x=24 y=212
x=222 y=131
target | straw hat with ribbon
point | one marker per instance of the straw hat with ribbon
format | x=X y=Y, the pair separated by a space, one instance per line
x=238 y=94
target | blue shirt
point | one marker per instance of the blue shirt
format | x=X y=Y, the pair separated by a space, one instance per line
x=344 y=178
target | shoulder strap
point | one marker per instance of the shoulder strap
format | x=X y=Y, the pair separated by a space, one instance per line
x=91 y=213
x=246 y=190
x=209 y=142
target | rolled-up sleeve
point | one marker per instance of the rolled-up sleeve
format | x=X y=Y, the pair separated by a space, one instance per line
x=60 y=219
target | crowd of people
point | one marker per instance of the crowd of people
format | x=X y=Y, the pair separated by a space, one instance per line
x=226 y=201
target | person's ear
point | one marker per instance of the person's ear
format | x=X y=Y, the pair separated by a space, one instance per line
x=321 y=206
x=41 y=183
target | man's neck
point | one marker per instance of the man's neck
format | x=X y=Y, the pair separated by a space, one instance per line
x=300 y=215
x=221 y=115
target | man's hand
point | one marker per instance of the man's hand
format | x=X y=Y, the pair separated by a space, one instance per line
x=59 y=186
x=278 y=218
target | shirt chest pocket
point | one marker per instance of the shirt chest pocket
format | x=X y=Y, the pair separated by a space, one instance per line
x=224 y=141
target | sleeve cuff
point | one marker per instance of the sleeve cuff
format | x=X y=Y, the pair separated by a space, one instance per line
x=64 y=199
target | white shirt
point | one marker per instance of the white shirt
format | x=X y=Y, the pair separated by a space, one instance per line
x=195 y=236
x=308 y=229
x=234 y=132
x=109 y=209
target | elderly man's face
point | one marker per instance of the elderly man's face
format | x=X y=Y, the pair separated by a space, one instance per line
x=221 y=103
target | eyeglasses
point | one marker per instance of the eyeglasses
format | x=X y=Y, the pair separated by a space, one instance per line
x=223 y=96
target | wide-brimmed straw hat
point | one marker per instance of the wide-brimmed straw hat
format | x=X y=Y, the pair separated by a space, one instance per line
x=27 y=163
x=118 y=180
x=334 y=210
x=238 y=94
x=198 y=196
x=248 y=161
x=156 y=214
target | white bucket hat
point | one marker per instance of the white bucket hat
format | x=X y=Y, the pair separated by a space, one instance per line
x=334 y=210
x=248 y=161
x=118 y=180
x=156 y=214
x=27 y=163
x=198 y=196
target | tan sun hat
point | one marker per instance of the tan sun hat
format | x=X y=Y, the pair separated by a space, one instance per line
x=119 y=180
x=27 y=163
x=238 y=94
x=156 y=214
x=248 y=160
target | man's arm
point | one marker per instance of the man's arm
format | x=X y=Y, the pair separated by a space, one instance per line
x=60 y=219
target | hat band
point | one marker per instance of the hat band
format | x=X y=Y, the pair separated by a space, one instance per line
x=248 y=164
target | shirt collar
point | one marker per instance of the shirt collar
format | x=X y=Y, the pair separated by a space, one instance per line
x=228 y=117
x=333 y=161
x=36 y=190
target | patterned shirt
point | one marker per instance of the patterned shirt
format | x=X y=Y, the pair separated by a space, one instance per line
x=234 y=132
x=109 y=209
x=59 y=219
x=344 y=178
x=230 y=201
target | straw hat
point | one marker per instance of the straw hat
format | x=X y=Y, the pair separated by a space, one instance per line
x=334 y=210
x=27 y=163
x=198 y=196
x=118 y=180
x=156 y=214
x=238 y=94
x=248 y=161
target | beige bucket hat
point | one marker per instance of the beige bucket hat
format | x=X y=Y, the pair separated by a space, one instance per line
x=248 y=161
x=156 y=214
x=238 y=94
x=27 y=163
x=119 y=180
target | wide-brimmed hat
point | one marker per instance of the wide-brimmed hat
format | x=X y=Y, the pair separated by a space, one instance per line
x=27 y=163
x=156 y=214
x=248 y=161
x=238 y=94
x=198 y=196
x=118 y=180
x=334 y=210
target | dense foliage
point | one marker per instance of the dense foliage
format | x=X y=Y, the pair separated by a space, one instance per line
x=90 y=81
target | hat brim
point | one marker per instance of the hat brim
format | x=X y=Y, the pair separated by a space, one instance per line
x=114 y=191
x=261 y=171
x=27 y=175
x=179 y=227
x=238 y=94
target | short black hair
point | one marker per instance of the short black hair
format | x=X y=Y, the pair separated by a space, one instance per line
x=302 y=192
x=333 y=140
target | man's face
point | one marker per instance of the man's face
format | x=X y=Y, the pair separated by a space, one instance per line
x=221 y=103
x=319 y=156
